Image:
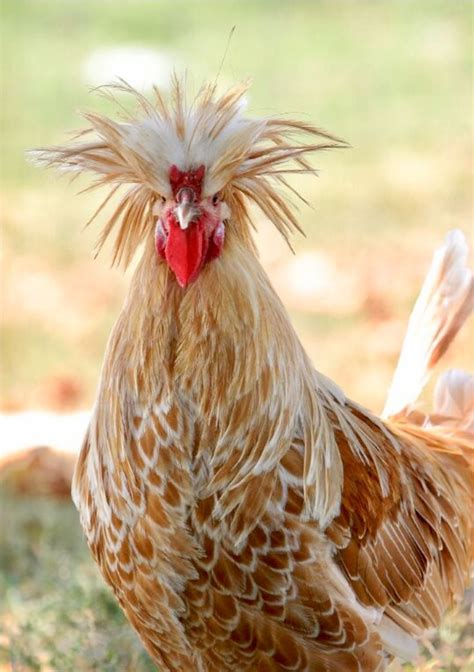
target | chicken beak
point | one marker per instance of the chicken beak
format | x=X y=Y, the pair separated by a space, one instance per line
x=185 y=212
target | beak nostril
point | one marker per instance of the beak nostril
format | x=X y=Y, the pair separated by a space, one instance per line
x=186 y=195
x=186 y=210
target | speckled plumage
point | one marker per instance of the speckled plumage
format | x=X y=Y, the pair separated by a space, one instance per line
x=247 y=515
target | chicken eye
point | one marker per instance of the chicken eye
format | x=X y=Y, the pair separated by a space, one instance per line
x=162 y=199
x=215 y=199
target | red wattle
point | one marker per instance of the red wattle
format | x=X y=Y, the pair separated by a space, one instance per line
x=185 y=251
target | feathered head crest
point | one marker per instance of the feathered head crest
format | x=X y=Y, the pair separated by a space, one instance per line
x=245 y=158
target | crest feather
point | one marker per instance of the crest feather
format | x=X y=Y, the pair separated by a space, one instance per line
x=240 y=154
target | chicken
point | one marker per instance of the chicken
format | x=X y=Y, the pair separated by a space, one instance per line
x=247 y=514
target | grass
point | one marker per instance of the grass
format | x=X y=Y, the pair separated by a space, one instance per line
x=392 y=77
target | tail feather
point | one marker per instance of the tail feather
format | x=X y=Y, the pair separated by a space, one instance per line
x=453 y=405
x=443 y=305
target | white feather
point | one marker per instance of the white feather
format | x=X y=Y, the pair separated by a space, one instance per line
x=444 y=303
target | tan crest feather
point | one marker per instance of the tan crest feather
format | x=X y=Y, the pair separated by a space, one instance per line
x=241 y=155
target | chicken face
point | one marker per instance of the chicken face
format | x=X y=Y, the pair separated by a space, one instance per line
x=190 y=229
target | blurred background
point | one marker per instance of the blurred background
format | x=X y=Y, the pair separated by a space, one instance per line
x=394 y=78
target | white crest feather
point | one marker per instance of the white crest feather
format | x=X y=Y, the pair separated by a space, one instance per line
x=248 y=158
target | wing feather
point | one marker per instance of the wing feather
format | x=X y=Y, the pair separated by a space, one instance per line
x=408 y=552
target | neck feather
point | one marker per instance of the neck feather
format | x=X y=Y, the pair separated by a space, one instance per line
x=231 y=311
x=224 y=346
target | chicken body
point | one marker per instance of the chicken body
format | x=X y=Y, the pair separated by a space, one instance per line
x=223 y=573
x=247 y=515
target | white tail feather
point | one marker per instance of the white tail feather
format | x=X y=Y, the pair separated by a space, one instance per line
x=397 y=641
x=454 y=404
x=444 y=303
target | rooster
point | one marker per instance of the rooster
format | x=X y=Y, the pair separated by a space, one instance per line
x=247 y=514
